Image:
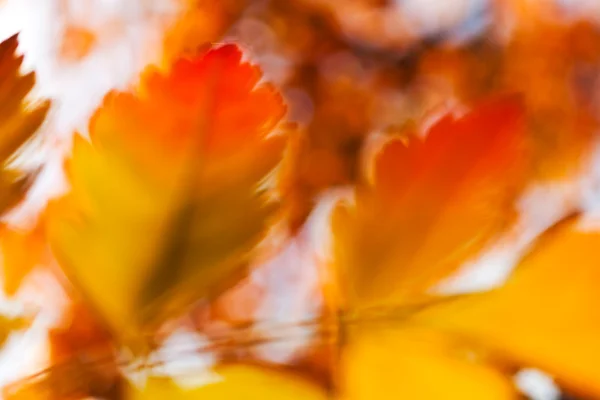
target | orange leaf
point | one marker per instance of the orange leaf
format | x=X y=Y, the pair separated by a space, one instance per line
x=22 y=251
x=430 y=204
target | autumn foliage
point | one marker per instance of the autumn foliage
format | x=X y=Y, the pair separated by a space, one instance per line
x=287 y=205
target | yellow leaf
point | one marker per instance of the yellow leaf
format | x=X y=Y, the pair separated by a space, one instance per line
x=387 y=362
x=167 y=201
x=546 y=316
x=235 y=382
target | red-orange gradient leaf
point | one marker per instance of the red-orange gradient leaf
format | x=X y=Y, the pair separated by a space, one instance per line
x=430 y=204
x=169 y=197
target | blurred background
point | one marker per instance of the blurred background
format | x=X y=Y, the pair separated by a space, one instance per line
x=351 y=72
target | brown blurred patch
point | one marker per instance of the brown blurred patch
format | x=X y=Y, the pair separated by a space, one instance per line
x=202 y=22
x=82 y=359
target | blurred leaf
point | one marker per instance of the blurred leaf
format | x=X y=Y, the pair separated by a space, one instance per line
x=555 y=67
x=235 y=382
x=545 y=316
x=430 y=204
x=415 y=363
x=166 y=202
x=11 y=324
x=22 y=251
x=17 y=123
